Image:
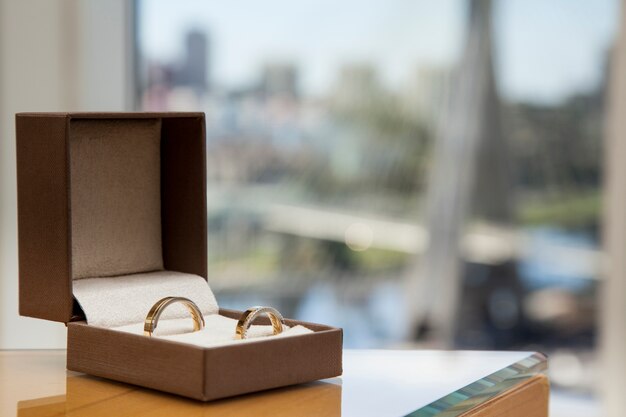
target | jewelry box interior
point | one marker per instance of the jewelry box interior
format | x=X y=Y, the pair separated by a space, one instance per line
x=118 y=270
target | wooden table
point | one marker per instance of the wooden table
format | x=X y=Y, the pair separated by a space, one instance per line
x=375 y=383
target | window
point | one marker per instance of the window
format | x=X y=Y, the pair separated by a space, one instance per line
x=324 y=126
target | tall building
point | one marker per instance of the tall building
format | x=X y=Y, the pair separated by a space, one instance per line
x=279 y=79
x=194 y=69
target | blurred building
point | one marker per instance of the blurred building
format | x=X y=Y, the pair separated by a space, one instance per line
x=279 y=79
x=356 y=85
x=194 y=68
x=425 y=93
x=180 y=85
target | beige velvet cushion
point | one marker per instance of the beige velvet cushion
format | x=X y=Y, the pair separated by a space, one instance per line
x=115 y=197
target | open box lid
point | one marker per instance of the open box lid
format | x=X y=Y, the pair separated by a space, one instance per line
x=62 y=210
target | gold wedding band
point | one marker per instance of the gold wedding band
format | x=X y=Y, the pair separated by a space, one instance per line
x=152 y=318
x=252 y=313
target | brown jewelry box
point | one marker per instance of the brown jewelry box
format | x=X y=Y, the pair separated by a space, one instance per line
x=50 y=241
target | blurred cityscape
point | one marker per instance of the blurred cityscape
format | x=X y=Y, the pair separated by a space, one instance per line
x=317 y=204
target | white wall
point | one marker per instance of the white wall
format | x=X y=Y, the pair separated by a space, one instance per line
x=55 y=55
x=613 y=297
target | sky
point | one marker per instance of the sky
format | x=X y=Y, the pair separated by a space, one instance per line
x=545 y=50
x=550 y=49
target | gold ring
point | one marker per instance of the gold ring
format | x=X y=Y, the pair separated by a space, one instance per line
x=152 y=318
x=252 y=313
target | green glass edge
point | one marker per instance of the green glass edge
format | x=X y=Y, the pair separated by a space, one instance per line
x=484 y=389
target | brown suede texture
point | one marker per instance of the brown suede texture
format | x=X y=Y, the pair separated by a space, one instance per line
x=206 y=373
x=115 y=197
x=183 y=194
x=50 y=238
x=43 y=218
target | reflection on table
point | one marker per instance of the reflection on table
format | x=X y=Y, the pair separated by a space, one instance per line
x=91 y=396
x=374 y=383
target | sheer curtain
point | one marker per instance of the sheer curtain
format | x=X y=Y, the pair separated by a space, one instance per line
x=55 y=56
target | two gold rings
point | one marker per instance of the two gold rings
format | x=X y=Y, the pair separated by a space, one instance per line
x=243 y=324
